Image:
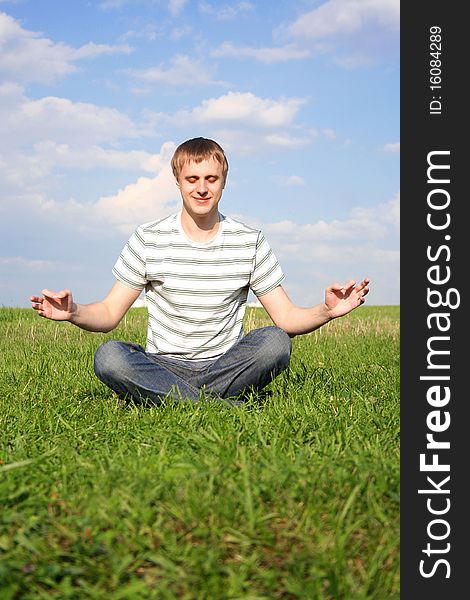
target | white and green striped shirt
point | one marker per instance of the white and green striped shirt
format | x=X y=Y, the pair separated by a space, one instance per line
x=196 y=292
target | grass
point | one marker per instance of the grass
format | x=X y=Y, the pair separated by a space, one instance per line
x=296 y=496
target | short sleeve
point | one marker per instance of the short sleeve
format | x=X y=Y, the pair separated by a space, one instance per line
x=267 y=273
x=130 y=267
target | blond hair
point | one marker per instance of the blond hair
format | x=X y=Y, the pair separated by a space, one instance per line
x=197 y=150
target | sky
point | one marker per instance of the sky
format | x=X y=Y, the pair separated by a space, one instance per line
x=95 y=95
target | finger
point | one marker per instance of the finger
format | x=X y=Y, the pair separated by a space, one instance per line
x=342 y=287
x=349 y=285
x=362 y=295
x=36 y=302
x=55 y=295
x=39 y=310
x=363 y=284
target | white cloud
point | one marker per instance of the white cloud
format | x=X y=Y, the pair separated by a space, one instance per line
x=91 y=50
x=236 y=140
x=178 y=32
x=346 y=17
x=112 y=4
x=146 y=199
x=183 y=71
x=148 y=32
x=20 y=262
x=289 y=180
x=244 y=122
x=56 y=155
x=26 y=56
x=225 y=12
x=40 y=136
x=25 y=121
x=176 y=6
x=264 y=55
x=387 y=213
x=285 y=140
x=294 y=180
x=79 y=121
x=60 y=119
x=353 y=60
x=244 y=108
x=329 y=133
x=312 y=255
x=392 y=147
x=364 y=225
x=355 y=33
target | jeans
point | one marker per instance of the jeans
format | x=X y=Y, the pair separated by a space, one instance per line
x=253 y=362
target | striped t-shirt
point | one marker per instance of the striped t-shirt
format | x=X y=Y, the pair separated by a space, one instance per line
x=196 y=292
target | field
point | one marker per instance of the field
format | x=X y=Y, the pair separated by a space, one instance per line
x=292 y=495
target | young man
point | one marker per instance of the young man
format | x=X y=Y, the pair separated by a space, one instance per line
x=196 y=267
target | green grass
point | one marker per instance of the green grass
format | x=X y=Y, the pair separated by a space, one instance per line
x=296 y=496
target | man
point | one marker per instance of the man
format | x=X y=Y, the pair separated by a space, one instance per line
x=196 y=267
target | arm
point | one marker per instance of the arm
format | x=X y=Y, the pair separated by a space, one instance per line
x=100 y=316
x=339 y=300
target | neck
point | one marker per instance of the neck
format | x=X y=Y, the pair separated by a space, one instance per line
x=200 y=229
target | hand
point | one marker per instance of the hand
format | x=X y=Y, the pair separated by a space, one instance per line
x=342 y=299
x=57 y=306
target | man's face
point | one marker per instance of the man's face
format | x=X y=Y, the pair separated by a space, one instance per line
x=201 y=185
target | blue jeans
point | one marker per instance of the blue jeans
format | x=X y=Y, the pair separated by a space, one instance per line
x=253 y=362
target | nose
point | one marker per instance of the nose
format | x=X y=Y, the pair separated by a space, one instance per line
x=202 y=188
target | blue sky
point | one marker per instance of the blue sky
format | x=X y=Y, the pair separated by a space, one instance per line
x=95 y=96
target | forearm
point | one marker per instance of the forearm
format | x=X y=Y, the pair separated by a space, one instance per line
x=94 y=317
x=298 y=321
x=339 y=301
x=295 y=320
x=100 y=316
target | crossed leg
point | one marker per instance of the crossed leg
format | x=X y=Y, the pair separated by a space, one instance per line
x=251 y=363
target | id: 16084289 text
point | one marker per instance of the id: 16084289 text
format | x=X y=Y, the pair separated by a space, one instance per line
x=435 y=71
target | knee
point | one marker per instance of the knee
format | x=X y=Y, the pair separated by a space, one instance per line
x=110 y=359
x=278 y=346
x=283 y=344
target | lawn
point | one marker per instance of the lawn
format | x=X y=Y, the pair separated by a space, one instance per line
x=292 y=495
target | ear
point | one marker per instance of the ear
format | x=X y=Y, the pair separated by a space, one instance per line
x=177 y=183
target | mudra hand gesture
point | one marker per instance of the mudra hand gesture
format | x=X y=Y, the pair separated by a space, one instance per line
x=341 y=299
